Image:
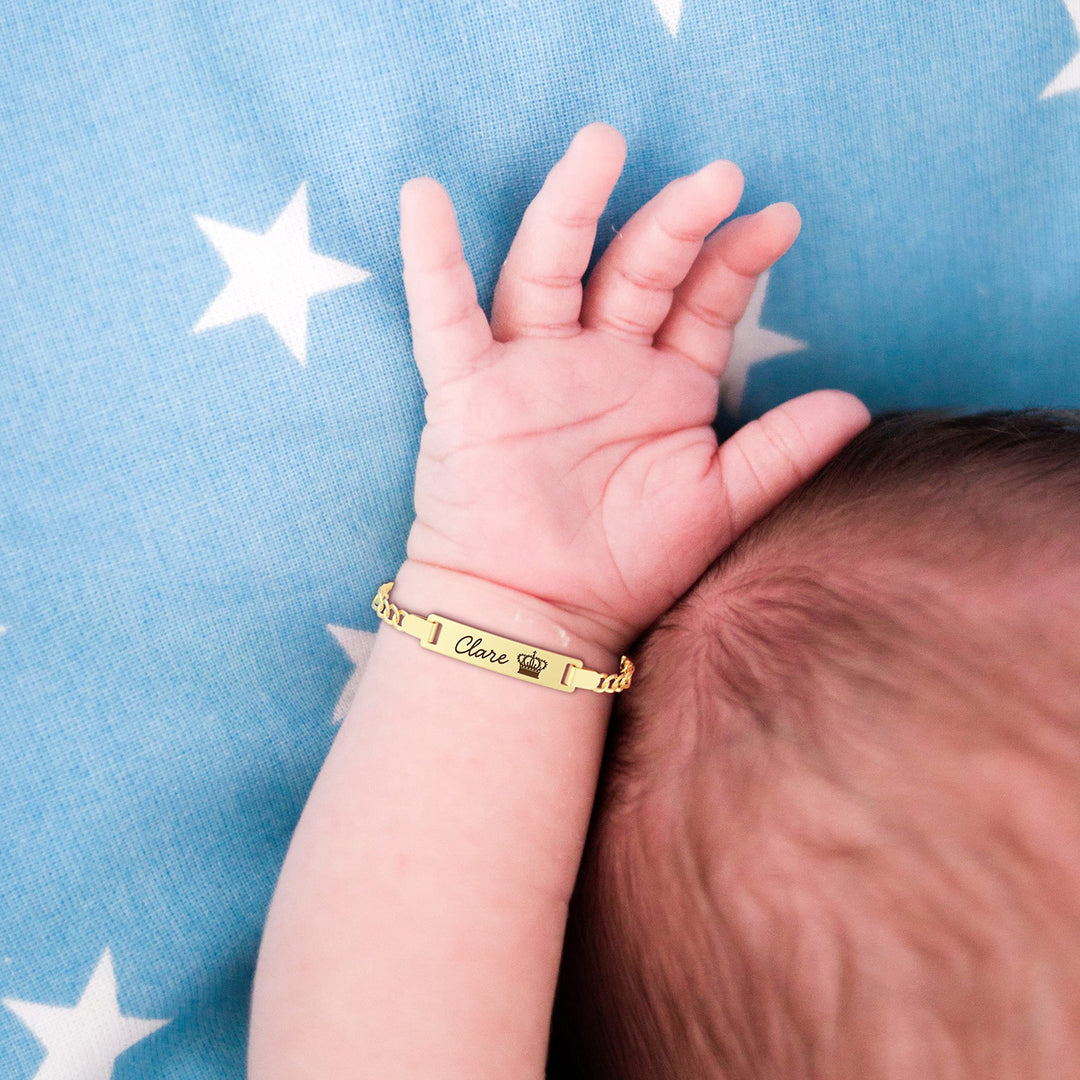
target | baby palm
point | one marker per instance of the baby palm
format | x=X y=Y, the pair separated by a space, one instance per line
x=568 y=451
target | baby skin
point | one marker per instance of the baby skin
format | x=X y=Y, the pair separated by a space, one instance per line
x=569 y=489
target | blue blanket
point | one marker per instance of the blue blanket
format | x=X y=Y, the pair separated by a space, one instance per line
x=209 y=413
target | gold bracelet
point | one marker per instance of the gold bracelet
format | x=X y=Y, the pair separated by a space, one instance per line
x=482 y=649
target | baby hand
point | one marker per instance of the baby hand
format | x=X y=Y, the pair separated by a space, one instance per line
x=568 y=452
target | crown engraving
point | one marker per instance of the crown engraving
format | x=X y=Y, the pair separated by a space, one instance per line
x=531 y=665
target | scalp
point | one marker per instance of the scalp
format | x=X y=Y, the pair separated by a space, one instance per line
x=838 y=805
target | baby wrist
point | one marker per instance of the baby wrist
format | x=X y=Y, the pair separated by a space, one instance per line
x=489 y=625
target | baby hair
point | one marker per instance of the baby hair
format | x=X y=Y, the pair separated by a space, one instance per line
x=837 y=828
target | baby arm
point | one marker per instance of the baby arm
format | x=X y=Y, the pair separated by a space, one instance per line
x=569 y=488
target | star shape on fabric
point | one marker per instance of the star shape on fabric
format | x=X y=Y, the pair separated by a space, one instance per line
x=357 y=645
x=1069 y=76
x=83 y=1043
x=273 y=274
x=751 y=344
x=670 y=12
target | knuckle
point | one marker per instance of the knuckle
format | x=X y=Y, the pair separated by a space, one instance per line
x=458 y=316
x=574 y=222
x=551 y=281
x=637 y=329
x=646 y=280
x=551 y=329
x=681 y=235
x=711 y=316
x=786 y=440
x=448 y=261
x=750 y=465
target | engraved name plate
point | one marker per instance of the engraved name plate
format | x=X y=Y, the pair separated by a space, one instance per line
x=481 y=649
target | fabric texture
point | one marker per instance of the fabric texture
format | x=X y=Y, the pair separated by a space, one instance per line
x=209 y=413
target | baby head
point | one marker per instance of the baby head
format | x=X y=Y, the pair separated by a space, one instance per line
x=838 y=829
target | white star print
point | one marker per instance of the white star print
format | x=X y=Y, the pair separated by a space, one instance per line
x=1069 y=76
x=83 y=1043
x=670 y=11
x=273 y=274
x=751 y=344
x=357 y=645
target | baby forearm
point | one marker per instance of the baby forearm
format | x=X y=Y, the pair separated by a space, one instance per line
x=417 y=925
